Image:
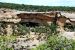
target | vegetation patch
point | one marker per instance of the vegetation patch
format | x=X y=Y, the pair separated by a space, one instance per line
x=5 y=42
x=56 y=43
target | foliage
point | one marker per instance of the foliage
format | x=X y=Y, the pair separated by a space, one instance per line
x=56 y=43
x=39 y=29
x=35 y=8
x=22 y=29
x=53 y=28
x=5 y=42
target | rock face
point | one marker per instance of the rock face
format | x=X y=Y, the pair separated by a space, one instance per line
x=68 y=35
x=61 y=22
x=36 y=17
x=8 y=17
x=70 y=16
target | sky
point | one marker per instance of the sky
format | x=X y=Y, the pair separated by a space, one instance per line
x=43 y=2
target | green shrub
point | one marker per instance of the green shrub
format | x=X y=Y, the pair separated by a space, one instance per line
x=53 y=28
x=4 y=42
x=22 y=29
x=57 y=43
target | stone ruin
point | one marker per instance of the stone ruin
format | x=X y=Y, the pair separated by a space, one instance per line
x=11 y=17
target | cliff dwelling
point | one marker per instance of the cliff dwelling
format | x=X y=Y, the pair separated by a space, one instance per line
x=36 y=18
x=32 y=19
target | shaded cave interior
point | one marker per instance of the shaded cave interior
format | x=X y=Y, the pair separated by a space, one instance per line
x=30 y=24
